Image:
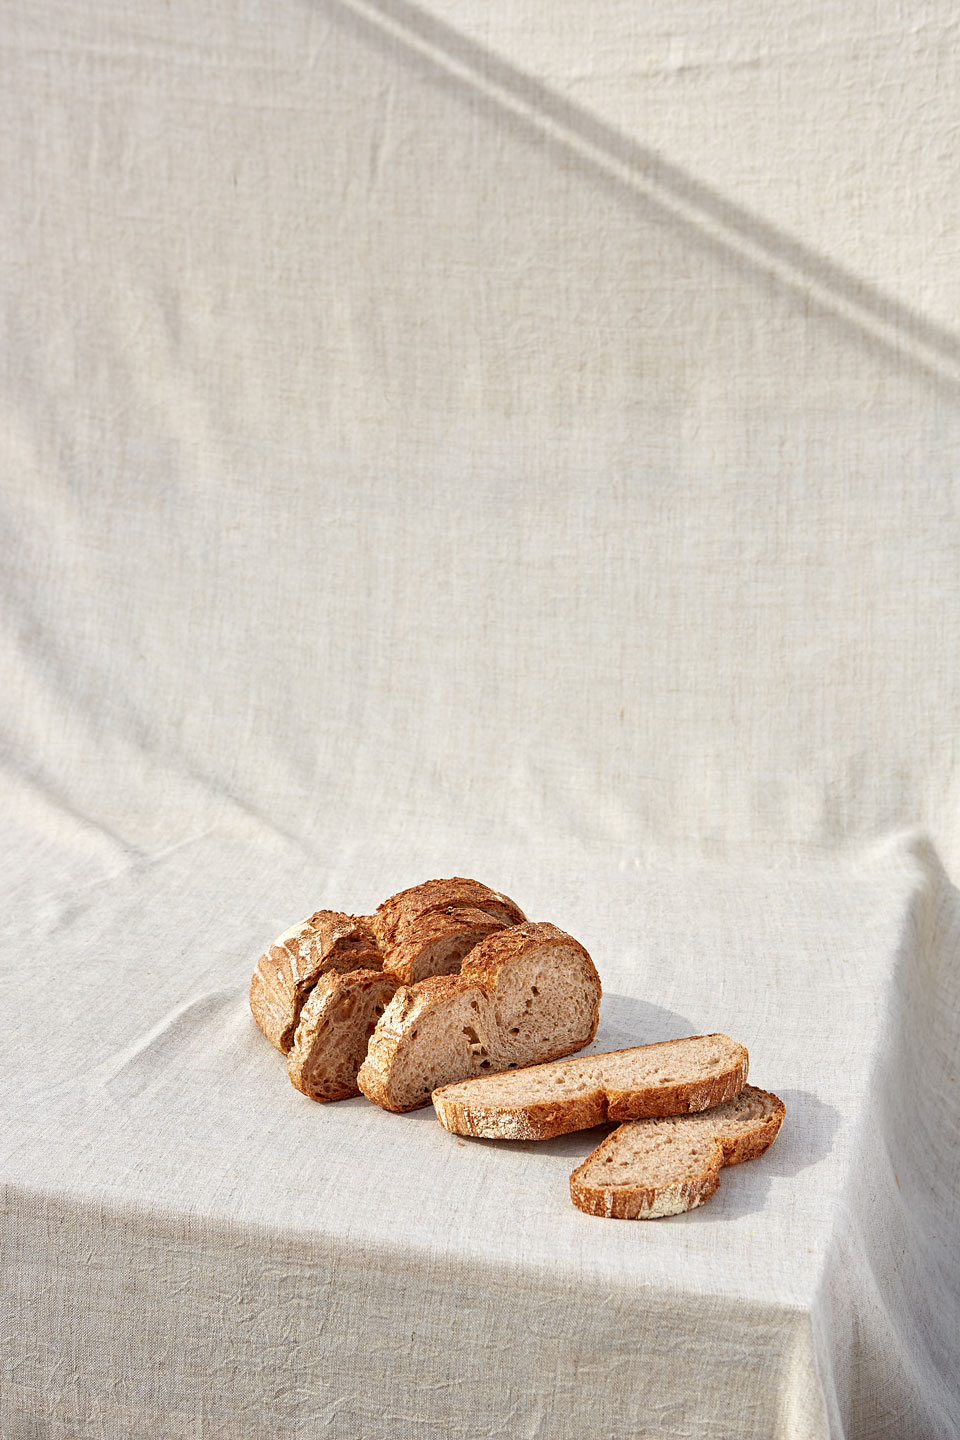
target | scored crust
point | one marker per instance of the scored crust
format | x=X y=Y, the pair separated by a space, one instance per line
x=405 y=908
x=287 y=972
x=336 y=1023
x=525 y=994
x=671 y=1077
x=648 y=1169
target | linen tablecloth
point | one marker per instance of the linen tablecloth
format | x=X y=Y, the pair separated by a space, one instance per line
x=403 y=477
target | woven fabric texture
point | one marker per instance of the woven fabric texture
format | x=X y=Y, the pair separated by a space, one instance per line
x=398 y=483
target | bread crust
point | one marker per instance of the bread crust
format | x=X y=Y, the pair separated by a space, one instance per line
x=638 y=1201
x=400 y=911
x=483 y=965
x=537 y=1121
x=479 y=976
x=544 y=1119
x=437 y=941
x=737 y=1149
x=287 y=971
x=648 y=1202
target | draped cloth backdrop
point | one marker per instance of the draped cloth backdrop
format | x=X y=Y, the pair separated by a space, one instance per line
x=469 y=440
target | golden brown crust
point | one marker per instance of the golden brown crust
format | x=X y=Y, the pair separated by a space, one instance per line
x=537 y=1121
x=343 y=937
x=648 y=1202
x=287 y=972
x=480 y=973
x=400 y=911
x=418 y=932
x=737 y=1149
x=454 y=914
x=717 y=1148
x=682 y=1098
x=373 y=1077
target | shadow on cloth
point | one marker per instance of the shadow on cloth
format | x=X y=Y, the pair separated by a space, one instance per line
x=806 y=1137
x=578 y=137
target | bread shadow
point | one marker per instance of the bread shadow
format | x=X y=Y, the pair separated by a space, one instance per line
x=626 y=1021
x=807 y=1136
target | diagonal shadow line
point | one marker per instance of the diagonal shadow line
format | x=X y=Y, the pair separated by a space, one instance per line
x=764 y=247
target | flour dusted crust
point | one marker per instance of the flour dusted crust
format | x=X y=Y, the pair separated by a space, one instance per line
x=651 y=1168
x=401 y=911
x=672 y=1077
x=336 y=1023
x=287 y=972
x=526 y=994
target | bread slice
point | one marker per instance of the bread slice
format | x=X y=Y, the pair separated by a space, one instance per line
x=525 y=994
x=437 y=941
x=651 y=1168
x=401 y=911
x=669 y=1078
x=336 y=1023
x=327 y=940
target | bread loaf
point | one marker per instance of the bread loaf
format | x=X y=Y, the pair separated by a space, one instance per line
x=525 y=994
x=668 y=1078
x=426 y=930
x=651 y=1168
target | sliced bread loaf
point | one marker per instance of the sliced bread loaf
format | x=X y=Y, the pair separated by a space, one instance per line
x=328 y=940
x=336 y=1023
x=525 y=994
x=669 y=1078
x=426 y=930
x=651 y=1168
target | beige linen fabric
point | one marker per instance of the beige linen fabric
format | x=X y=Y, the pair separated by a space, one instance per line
x=393 y=487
